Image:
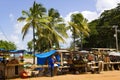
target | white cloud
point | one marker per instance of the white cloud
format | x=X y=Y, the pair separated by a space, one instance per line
x=11 y=16
x=17 y=38
x=87 y=14
x=18 y=27
x=67 y=40
x=23 y=43
x=2 y=37
x=90 y=15
x=67 y=44
x=16 y=35
x=102 y=5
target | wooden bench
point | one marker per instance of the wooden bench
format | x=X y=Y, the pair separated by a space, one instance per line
x=97 y=68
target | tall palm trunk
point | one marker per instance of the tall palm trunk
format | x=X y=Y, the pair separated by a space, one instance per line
x=74 y=37
x=81 y=41
x=33 y=45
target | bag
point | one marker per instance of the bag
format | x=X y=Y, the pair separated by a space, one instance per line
x=55 y=65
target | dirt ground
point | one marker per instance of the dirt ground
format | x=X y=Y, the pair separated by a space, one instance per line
x=104 y=75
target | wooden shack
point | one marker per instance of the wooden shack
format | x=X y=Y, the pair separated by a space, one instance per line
x=10 y=70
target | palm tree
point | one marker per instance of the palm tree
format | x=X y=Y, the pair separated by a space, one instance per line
x=54 y=34
x=78 y=25
x=58 y=26
x=33 y=18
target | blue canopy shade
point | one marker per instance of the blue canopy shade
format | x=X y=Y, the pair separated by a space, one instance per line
x=17 y=51
x=41 y=58
x=2 y=49
x=45 y=54
x=29 y=52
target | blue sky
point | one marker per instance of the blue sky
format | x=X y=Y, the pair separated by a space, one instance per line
x=10 y=10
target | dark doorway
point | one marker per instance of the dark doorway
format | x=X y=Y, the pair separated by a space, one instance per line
x=16 y=70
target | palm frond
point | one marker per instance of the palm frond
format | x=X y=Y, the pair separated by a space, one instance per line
x=26 y=13
x=25 y=29
x=21 y=19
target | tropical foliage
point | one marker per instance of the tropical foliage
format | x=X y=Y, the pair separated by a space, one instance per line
x=48 y=29
x=33 y=18
x=54 y=34
x=102 y=31
x=79 y=27
x=29 y=46
x=7 y=45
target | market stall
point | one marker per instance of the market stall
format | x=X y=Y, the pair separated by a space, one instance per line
x=61 y=58
x=79 y=61
x=10 y=66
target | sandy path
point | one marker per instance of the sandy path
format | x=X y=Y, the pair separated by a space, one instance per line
x=105 y=75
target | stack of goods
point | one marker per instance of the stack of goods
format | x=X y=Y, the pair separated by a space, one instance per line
x=13 y=61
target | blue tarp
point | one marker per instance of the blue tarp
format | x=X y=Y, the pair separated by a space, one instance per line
x=17 y=51
x=12 y=51
x=29 y=52
x=41 y=58
x=2 y=49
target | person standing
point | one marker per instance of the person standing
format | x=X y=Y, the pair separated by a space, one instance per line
x=51 y=65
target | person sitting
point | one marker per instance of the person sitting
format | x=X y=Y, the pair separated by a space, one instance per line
x=23 y=74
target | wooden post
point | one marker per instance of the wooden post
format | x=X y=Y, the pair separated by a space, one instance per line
x=61 y=58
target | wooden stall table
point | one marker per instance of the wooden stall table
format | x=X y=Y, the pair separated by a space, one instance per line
x=107 y=61
x=80 y=67
x=63 y=69
x=95 y=67
x=38 y=70
x=112 y=65
x=89 y=64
